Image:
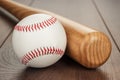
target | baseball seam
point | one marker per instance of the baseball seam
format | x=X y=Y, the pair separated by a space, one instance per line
x=36 y=26
x=40 y=52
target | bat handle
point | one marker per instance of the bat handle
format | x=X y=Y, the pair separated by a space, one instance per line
x=87 y=46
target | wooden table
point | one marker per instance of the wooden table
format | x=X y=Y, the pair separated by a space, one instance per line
x=103 y=15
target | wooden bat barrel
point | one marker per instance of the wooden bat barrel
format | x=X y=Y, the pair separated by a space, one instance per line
x=89 y=47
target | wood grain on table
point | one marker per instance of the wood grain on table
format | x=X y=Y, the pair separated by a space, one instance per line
x=102 y=15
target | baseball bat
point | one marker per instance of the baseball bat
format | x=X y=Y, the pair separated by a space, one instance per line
x=89 y=47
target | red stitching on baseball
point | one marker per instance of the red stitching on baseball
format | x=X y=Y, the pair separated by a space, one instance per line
x=39 y=52
x=36 y=26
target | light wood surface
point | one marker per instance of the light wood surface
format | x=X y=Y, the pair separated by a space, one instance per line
x=87 y=46
x=108 y=8
x=82 y=11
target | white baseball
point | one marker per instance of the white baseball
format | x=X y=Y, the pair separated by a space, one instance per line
x=39 y=40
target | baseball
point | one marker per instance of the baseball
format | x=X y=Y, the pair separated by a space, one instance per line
x=39 y=40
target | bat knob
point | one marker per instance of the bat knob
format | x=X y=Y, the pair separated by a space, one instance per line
x=95 y=49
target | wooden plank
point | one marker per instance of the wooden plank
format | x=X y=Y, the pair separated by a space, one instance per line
x=110 y=11
x=6 y=25
x=10 y=67
x=82 y=11
x=7 y=22
x=25 y=2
